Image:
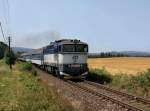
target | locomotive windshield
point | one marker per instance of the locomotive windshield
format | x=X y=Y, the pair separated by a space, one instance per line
x=75 y=48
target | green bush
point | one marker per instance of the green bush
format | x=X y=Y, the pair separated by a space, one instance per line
x=135 y=83
x=142 y=79
x=10 y=57
x=3 y=48
x=26 y=66
x=142 y=82
x=100 y=76
x=121 y=81
x=138 y=83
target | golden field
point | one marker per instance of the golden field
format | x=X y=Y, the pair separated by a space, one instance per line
x=129 y=65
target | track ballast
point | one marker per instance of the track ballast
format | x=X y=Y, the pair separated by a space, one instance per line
x=124 y=100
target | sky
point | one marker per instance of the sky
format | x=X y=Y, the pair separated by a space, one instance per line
x=106 y=25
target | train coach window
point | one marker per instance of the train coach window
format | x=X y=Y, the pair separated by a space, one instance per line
x=36 y=56
x=56 y=49
x=49 y=50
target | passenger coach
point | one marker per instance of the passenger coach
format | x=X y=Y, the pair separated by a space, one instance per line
x=66 y=58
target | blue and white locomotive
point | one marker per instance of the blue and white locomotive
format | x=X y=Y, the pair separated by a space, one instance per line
x=65 y=58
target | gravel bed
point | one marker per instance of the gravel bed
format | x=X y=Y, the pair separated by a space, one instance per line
x=116 y=96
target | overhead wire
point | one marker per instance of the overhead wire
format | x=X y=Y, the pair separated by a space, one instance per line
x=6 y=21
x=2 y=32
x=8 y=17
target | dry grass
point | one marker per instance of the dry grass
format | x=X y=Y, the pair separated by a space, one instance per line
x=21 y=91
x=129 y=65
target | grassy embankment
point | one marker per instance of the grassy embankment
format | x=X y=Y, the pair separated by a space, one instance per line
x=137 y=83
x=21 y=90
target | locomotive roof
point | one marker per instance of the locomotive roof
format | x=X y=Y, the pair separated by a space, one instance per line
x=67 y=41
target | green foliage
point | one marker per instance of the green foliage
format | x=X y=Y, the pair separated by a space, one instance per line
x=144 y=78
x=121 y=80
x=30 y=84
x=100 y=76
x=138 y=83
x=26 y=66
x=3 y=48
x=10 y=58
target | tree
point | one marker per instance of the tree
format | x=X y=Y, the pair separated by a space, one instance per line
x=3 y=48
x=102 y=54
x=10 y=58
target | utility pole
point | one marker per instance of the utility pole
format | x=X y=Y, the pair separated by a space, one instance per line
x=9 y=40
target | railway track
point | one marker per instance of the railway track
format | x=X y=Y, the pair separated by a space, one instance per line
x=124 y=100
x=124 y=104
x=136 y=98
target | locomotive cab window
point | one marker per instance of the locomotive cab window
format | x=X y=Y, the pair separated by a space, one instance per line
x=68 y=48
x=81 y=48
x=75 y=48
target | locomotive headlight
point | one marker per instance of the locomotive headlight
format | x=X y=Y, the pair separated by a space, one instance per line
x=61 y=73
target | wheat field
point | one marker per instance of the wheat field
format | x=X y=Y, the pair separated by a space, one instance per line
x=128 y=65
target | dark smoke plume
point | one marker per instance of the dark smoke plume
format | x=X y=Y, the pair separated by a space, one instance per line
x=38 y=40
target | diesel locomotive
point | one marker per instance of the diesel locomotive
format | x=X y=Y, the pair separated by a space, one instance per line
x=66 y=58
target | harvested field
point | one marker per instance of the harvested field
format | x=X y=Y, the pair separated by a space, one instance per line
x=129 y=65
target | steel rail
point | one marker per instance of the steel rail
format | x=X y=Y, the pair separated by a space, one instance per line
x=123 y=104
x=139 y=99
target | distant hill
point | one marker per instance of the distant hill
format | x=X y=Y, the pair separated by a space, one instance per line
x=132 y=53
x=20 y=49
x=136 y=53
x=121 y=54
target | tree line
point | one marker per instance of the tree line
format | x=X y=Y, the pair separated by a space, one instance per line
x=106 y=55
